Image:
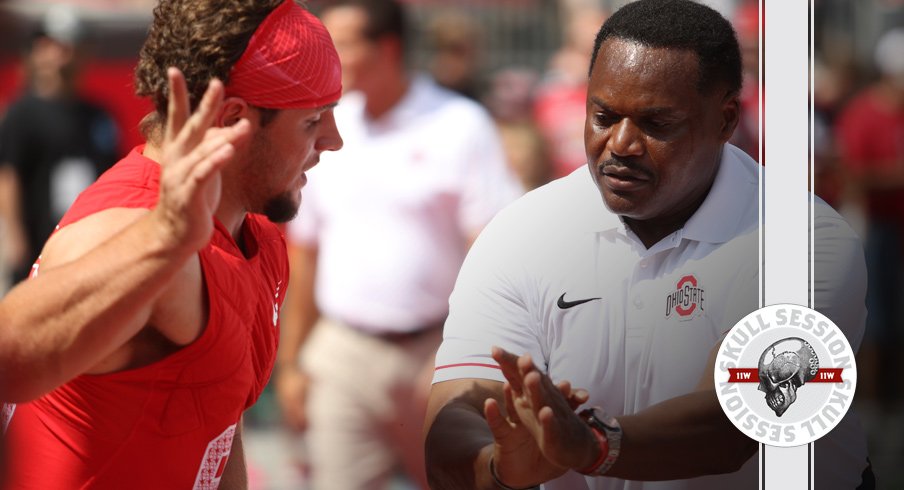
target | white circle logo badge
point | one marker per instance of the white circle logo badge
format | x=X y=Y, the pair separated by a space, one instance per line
x=785 y=375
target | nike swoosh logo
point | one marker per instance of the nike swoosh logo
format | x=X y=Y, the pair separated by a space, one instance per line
x=569 y=304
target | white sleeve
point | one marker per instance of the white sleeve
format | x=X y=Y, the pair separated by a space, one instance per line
x=493 y=303
x=488 y=184
x=839 y=272
x=304 y=229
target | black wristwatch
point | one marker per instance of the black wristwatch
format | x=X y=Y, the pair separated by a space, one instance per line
x=598 y=420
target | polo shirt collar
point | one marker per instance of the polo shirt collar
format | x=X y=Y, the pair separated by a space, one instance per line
x=722 y=215
x=412 y=103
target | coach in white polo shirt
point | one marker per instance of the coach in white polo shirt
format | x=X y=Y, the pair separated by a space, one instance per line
x=621 y=280
x=386 y=226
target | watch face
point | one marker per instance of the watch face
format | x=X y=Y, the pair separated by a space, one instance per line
x=597 y=418
x=609 y=427
x=611 y=424
x=607 y=423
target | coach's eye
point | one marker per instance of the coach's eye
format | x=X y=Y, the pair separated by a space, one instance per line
x=604 y=119
x=659 y=123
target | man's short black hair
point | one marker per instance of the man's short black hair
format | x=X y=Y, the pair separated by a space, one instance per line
x=384 y=17
x=680 y=24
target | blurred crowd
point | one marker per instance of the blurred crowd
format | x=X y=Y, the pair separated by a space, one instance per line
x=68 y=115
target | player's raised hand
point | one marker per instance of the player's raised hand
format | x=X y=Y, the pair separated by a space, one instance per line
x=194 y=152
x=546 y=411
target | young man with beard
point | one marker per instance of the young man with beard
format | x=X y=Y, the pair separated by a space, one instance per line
x=150 y=322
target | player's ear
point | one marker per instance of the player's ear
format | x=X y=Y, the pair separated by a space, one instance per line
x=232 y=111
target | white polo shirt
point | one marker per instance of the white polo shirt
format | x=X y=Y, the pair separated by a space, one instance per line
x=393 y=211
x=651 y=316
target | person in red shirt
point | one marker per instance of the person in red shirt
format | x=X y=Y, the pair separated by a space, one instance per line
x=870 y=135
x=150 y=321
x=561 y=99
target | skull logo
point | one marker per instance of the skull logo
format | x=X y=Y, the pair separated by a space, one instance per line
x=784 y=367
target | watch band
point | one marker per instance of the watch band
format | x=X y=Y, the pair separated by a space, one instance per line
x=609 y=427
x=603 y=444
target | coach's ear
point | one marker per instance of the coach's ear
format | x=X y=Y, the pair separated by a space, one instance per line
x=731 y=115
x=233 y=110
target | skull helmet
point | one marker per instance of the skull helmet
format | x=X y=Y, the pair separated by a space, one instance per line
x=784 y=367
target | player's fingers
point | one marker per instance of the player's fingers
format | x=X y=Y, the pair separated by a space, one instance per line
x=218 y=143
x=231 y=134
x=578 y=397
x=212 y=163
x=203 y=118
x=238 y=131
x=183 y=165
x=177 y=108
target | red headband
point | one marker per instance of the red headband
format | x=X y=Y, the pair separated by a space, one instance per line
x=290 y=63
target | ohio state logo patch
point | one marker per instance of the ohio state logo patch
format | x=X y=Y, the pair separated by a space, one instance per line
x=785 y=375
x=686 y=301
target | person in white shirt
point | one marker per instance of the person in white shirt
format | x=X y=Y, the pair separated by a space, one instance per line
x=386 y=226
x=626 y=296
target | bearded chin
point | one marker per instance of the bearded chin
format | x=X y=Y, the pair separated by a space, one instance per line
x=281 y=208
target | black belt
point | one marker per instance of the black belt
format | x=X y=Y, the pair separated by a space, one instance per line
x=408 y=335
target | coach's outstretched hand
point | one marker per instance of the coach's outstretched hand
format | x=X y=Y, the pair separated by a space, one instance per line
x=194 y=152
x=542 y=437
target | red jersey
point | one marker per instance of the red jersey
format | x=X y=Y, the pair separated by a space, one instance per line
x=169 y=424
x=871 y=136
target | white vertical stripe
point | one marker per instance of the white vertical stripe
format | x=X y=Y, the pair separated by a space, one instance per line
x=760 y=195
x=761 y=460
x=786 y=243
x=811 y=224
